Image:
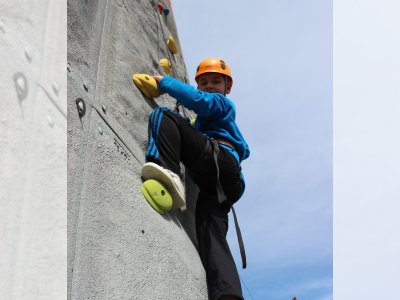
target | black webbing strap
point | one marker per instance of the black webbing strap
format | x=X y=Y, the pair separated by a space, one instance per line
x=222 y=198
x=220 y=192
x=240 y=240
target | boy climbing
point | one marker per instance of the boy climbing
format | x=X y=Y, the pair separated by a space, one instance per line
x=212 y=151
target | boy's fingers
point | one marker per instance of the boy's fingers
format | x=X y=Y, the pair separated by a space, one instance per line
x=157 y=78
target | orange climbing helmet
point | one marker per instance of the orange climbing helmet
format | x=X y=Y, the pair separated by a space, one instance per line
x=213 y=65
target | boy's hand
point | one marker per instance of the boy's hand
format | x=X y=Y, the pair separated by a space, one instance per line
x=147 y=84
x=158 y=78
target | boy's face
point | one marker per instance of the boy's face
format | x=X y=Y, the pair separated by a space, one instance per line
x=213 y=83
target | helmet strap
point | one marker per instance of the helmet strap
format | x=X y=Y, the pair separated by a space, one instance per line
x=226 y=84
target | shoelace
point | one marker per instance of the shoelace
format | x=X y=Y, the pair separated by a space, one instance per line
x=172 y=174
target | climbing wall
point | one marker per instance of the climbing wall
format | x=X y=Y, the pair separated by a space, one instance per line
x=119 y=247
x=33 y=156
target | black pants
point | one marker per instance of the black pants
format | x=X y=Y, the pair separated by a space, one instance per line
x=172 y=140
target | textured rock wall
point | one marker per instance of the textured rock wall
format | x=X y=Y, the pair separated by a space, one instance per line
x=118 y=246
x=33 y=157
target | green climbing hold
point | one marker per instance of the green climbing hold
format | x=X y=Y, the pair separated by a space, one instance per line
x=157 y=196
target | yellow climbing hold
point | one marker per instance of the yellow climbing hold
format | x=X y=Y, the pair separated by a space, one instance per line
x=147 y=85
x=172 y=45
x=157 y=196
x=166 y=65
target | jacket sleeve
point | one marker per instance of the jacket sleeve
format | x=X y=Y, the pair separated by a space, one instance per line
x=202 y=103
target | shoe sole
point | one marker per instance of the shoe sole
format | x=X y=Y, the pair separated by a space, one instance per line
x=154 y=171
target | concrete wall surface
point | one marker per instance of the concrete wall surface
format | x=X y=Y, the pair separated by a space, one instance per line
x=33 y=156
x=118 y=246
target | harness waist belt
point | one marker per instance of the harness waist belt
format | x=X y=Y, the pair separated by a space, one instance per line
x=212 y=148
x=225 y=142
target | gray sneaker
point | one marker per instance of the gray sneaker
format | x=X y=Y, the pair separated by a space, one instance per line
x=171 y=181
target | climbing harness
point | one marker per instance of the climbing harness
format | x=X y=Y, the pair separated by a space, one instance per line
x=222 y=198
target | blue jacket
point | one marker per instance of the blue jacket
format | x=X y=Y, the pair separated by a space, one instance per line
x=215 y=113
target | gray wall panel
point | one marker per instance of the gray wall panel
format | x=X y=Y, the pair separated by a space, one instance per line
x=33 y=127
x=118 y=246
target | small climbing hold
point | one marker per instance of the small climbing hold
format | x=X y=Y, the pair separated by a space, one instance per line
x=172 y=45
x=160 y=7
x=56 y=88
x=2 y=26
x=28 y=55
x=166 y=65
x=81 y=107
x=157 y=196
x=21 y=85
x=147 y=85
x=50 y=121
x=166 y=10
